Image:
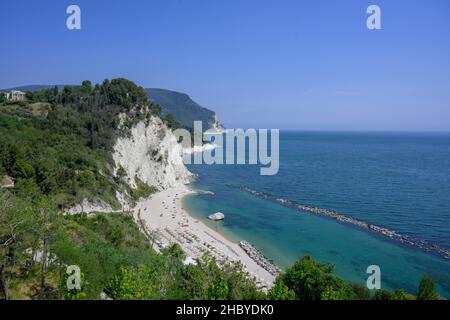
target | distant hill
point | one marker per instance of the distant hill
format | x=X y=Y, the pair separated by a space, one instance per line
x=183 y=108
x=179 y=104
x=34 y=87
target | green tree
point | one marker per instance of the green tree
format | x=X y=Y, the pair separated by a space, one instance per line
x=280 y=291
x=218 y=289
x=2 y=98
x=240 y=285
x=156 y=109
x=73 y=294
x=382 y=294
x=46 y=229
x=87 y=86
x=29 y=95
x=170 y=120
x=23 y=169
x=361 y=292
x=175 y=251
x=400 y=294
x=311 y=280
x=427 y=289
x=129 y=285
x=16 y=220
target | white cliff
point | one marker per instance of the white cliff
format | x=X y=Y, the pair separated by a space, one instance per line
x=217 y=125
x=151 y=154
x=87 y=206
x=200 y=149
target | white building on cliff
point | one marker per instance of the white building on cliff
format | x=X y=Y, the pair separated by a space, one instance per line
x=14 y=95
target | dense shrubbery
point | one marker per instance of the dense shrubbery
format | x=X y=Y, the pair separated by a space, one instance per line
x=310 y=280
x=169 y=278
x=56 y=147
x=59 y=165
x=142 y=190
x=115 y=257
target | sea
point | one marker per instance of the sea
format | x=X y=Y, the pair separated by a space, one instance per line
x=399 y=181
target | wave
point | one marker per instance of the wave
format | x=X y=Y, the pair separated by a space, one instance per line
x=388 y=233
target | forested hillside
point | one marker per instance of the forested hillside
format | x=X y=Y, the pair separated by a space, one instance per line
x=183 y=108
x=176 y=107
x=60 y=141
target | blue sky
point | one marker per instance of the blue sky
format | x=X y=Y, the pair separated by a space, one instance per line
x=277 y=64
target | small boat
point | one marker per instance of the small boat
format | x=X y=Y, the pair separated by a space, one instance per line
x=217 y=216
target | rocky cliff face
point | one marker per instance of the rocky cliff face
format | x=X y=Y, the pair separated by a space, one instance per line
x=151 y=154
x=90 y=206
x=216 y=124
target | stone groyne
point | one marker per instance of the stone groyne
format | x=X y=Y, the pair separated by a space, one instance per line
x=404 y=239
x=259 y=258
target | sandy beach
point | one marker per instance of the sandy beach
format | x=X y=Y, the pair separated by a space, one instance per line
x=165 y=217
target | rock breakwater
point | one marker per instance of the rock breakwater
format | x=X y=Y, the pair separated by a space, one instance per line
x=404 y=239
x=259 y=258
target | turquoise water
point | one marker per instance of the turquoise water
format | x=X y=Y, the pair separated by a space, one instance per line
x=396 y=180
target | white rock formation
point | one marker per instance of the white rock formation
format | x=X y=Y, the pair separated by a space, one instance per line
x=199 y=149
x=152 y=154
x=216 y=125
x=90 y=206
x=216 y=216
x=149 y=153
x=6 y=182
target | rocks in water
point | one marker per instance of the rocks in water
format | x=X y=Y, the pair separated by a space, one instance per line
x=216 y=216
x=405 y=239
x=259 y=258
x=204 y=192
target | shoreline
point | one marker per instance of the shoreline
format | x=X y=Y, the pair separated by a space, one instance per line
x=169 y=222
